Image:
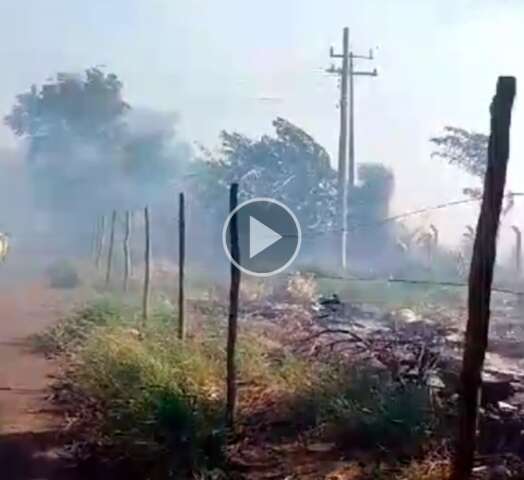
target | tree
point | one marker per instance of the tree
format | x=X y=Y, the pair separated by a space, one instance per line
x=67 y=108
x=291 y=167
x=369 y=204
x=469 y=151
x=86 y=143
x=463 y=148
x=370 y=200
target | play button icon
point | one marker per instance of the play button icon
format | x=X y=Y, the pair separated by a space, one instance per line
x=260 y=237
x=269 y=236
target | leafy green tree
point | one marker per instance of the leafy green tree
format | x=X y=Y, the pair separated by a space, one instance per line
x=68 y=108
x=86 y=149
x=291 y=167
x=468 y=150
x=369 y=205
x=73 y=125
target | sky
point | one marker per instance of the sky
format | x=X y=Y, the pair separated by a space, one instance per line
x=212 y=61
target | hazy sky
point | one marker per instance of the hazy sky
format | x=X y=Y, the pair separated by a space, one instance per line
x=211 y=61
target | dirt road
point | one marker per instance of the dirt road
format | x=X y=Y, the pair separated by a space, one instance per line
x=29 y=429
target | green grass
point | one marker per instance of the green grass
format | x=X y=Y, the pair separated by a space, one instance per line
x=72 y=331
x=155 y=393
x=374 y=411
x=390 y=294
x=146 y=395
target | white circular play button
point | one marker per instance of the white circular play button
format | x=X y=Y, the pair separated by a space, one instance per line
x=269 y=236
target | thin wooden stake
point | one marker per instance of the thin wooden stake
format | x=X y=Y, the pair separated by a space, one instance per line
x=233 y=311
x=181 y=262
x=131 y=228
x=481 y=278
x=147 y=268
x=96 y=234
x=127 y=254
x=518 y=250
x=101 y=241
x=110 y=249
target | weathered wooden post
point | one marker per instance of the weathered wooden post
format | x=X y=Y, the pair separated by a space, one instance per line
x=147 y=266
x=96 y=233
x=518 y=250
x=181 y=262
x=131 y=228
x=233 y=310
x=436 y=235
x=426 y=241
x=110 y=249
x=481 y=278
x=101 y=241
x=127 y=254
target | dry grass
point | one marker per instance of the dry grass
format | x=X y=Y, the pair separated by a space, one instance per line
x=145 y=393
x=429 y=469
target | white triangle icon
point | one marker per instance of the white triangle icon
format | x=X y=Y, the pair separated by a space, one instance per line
x=260 y=237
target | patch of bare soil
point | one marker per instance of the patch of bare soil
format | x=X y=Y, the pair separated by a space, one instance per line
x=32 y=444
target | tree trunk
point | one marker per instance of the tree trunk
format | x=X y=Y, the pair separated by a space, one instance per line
x=181 y=261
x=147 y=267
x=233 y=311
x=481 y=277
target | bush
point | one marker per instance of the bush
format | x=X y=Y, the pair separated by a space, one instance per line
x=156 y=394
x=374 y=410
x=63 y=274
x=364 y=409
x=71 y=332
x=302 y=288
x=147 y=395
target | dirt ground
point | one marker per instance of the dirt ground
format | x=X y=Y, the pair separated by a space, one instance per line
x=30 y=439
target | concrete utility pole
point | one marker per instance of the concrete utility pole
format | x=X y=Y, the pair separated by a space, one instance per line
x=344 y=171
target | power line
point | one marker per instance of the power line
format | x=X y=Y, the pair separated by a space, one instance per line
x=410 y=281
x=409 y=214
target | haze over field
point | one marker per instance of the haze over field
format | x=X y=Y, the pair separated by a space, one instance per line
x=237 y=65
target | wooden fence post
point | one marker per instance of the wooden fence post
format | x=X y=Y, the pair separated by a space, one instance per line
x=110 y=249
x=96 y=233
x=147 y=267
x=518 y=250
x=101 y=241
x=127 y=255
x=436 y=236
x=233 y=311
x=481 y=278
x=131 y=229
x=181 y=262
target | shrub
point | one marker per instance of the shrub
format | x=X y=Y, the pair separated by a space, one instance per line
x=364 y=409
x=374 y=410
x=73 y=331
x=302 y=288
x=63 y=274
x=156 y=394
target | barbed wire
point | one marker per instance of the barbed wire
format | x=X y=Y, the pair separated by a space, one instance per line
x=406 y=214
x=410 y=281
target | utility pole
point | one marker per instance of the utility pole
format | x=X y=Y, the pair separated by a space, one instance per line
x=346 y=172
x=342 y=141
x=353 y=73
